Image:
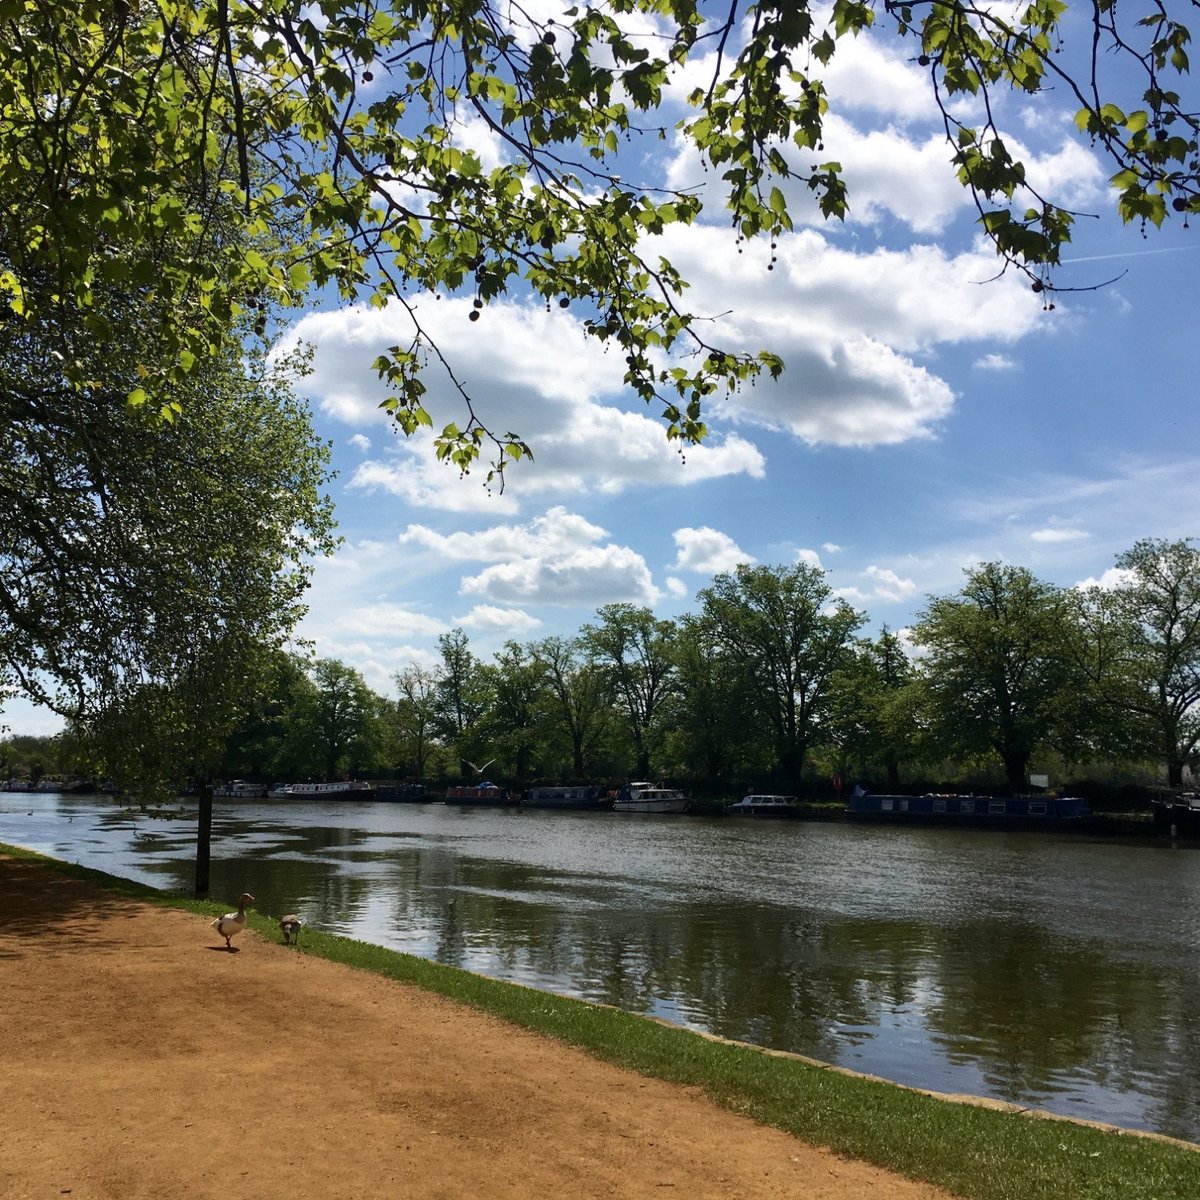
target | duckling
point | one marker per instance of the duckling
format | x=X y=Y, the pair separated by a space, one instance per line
x=290 y=926
x=232 y=923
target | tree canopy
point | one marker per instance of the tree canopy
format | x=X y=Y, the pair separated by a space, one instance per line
x=284 y=148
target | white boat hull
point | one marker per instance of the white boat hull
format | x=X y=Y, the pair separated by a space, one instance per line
x=652 y=804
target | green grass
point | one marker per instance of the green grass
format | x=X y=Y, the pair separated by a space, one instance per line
x=967 y=1149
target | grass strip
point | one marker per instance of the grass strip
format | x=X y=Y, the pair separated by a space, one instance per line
x=970 y=1150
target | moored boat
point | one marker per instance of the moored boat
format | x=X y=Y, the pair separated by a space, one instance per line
x=761 y=805
x=970 y=810
x=483 y=792
x=1178 y=814
x=579 y=796
x=342 y=789
x=644 y=797
x=406 y=793
x=240 y=789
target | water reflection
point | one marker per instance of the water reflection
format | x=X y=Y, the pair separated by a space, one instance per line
x=1043 y=970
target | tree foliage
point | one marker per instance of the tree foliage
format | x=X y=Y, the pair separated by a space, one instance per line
x=1140 y=644
x=876 y=706
x=998 y=666
x=284 y=148
x=788 y=637
x=150 y=566
x=635 y=651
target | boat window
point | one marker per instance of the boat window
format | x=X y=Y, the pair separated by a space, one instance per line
x=966 y=806
x=886 y=804
x=904 y=805
x=1037 y=808
x=939 y=806
x=996 y=806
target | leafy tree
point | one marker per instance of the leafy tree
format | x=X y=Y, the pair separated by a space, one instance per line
x=146 y=572
x=998 y=670
x=257 y=748
x=635 y=650
x=338 y=718
x=714 y=730
x=580 y=698
x=788 y=636
x=331 y=133
x=1140 y=645
x=414 y=716
x=874 y=720
x=463 y=695
x=513 y=725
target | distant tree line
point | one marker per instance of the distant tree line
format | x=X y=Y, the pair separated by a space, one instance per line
x=768 y=685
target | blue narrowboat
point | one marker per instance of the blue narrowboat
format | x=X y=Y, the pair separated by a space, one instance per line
x=953 y=809
x=590 y=797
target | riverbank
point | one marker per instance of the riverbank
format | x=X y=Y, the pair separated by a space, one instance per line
x=145 y=1060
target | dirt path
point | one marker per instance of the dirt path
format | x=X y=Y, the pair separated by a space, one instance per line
x=139 y=1059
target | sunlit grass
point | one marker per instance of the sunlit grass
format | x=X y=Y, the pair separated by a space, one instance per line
x=967 y=1149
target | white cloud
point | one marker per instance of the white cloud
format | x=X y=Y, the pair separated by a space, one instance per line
x=994 y=362
x=677 y=588
x=591 y=576
x=831 y=548
x=1109 y=581
x=851 y=329
x=809 y=556
x=392 y=620
x=556 y=532
x=708 y=551
x=529 y=371
x=883 y=585
x=889 y=585
x=1058 y=535
x=511 y=621
x=360 y=442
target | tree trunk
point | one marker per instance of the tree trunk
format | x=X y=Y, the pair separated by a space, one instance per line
x=1175 y=772
x=203 y=840
x=1015 y=762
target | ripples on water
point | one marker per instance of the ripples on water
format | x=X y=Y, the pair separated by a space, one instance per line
x=1045 y=970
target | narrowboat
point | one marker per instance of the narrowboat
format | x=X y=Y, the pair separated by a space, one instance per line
x=1025 y=812
x=484 y=792
x=341 y=789
x=589 y=797
x=405 y=793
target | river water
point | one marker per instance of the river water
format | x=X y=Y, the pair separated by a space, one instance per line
x=1049 y=970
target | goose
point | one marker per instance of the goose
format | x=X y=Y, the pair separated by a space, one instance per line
x=232 y=923
x=290 y=926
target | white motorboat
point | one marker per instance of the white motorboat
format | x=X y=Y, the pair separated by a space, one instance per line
x=643 y=797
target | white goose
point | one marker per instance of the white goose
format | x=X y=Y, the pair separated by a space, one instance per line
x=290 y=927
x=232 y=923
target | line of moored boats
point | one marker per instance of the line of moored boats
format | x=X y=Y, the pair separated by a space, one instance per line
x=1041 y=809
x=1177 y=813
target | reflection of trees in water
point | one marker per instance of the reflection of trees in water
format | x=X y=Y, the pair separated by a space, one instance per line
x=1034 y=1011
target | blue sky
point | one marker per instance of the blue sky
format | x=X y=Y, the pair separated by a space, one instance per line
x=927 y=420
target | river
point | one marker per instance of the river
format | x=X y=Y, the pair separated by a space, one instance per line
x=1050 y=970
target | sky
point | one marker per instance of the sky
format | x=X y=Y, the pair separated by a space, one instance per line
x=930 y=417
